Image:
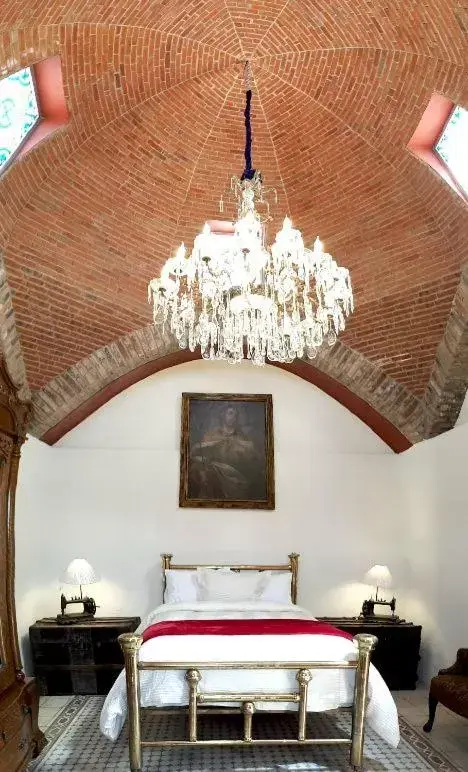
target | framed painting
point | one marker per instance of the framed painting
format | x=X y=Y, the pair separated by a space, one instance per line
x=226 y=457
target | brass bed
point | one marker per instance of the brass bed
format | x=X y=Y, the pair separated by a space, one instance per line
x=130 y=644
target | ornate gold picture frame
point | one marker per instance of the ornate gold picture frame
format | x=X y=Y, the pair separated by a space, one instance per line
x=227 y=457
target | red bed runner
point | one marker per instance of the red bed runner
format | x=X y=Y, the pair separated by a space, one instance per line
x=242 y=627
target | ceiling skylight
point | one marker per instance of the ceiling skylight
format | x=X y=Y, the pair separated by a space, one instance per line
x=452 y=145
x=19 y=112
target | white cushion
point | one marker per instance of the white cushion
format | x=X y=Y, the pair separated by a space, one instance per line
x=277 y=589
x=222 y=585
x=181 y=586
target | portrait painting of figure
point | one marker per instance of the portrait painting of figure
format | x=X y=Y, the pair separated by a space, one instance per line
x=227 y=451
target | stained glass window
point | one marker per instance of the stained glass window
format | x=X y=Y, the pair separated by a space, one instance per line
x=452 y=146
x=19 y=112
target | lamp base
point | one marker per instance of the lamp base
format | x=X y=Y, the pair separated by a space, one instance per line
x=368 y=608
x=389 y=619
x=73 y=619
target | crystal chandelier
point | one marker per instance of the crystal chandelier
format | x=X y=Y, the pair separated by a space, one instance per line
x=237 y=298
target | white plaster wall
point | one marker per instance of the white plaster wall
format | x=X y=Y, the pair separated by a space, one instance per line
x=435 y=544
x=109 y=492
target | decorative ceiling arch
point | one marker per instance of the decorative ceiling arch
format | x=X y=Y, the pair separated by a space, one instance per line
x=387 y=407
x=154 y=92
x=382 y=404
x=448 y=382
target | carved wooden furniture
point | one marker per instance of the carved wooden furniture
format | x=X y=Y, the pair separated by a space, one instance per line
x=20 y=738
x=198 y=699
x=83 y=658
x=396 y=655
x=450 y=688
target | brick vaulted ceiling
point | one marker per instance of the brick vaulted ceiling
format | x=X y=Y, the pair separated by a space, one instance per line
x=154 y=91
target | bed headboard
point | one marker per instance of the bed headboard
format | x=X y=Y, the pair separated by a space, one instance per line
x=291 y=566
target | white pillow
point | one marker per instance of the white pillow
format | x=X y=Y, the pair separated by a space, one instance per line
x=277 y=588
x=181 y=586
x=225 y=585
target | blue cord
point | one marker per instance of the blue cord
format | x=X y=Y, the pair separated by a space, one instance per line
x=248 y=172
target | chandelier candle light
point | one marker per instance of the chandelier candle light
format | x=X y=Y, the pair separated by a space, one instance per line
x=237 y=298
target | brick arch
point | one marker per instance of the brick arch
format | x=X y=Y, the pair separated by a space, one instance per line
x=381 y=403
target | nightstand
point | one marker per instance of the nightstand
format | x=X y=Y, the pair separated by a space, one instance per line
x=396 y=655
x=84 y=658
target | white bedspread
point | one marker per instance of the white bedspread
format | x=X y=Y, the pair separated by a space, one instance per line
x=328 y=689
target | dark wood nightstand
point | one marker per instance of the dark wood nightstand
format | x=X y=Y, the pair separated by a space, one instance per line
x=396 y=655
x=84 y=658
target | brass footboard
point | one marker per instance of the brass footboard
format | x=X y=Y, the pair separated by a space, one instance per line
x=130 y=644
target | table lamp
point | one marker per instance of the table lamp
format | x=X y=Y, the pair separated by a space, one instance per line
x=379 y=576
x=78 y=572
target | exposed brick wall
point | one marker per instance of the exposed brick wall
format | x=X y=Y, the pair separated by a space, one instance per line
x=80 y=382
x=154 y=91
x=9 y=343
x=449 y=377
x=110 y=365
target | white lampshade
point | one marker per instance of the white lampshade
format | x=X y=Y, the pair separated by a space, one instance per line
x=379 y=576
x=79 y=572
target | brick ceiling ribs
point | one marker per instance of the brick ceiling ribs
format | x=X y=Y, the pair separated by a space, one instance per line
x=155 y=94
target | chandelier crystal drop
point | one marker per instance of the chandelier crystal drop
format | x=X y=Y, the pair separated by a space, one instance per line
x=237 y=298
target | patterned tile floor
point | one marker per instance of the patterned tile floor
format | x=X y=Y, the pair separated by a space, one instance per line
x=450 y=732
x=449 y=736
x=49 y=708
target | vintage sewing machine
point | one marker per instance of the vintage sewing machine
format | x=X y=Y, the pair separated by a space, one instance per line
x=89 y=610
x=368 y=610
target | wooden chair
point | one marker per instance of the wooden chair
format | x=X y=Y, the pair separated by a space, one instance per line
x=450 y=688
